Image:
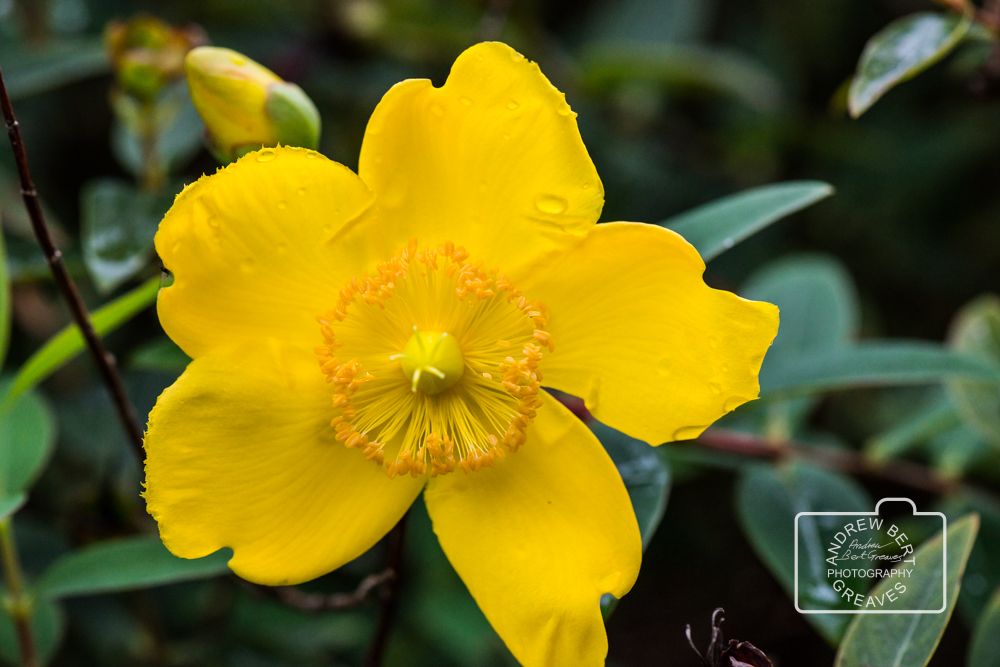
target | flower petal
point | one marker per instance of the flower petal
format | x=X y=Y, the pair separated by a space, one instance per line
x=540 y=537
x=252 y=249
x=651 y=349
x=239 y=453
x=492 y=160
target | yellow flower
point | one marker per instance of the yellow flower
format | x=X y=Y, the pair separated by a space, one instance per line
x=245 y=106
x=358 y=339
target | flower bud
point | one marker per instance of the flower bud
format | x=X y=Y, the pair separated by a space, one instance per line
x=245 y=106
x=147 y=54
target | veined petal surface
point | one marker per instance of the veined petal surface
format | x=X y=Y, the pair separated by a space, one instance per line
x=652 y=349
x=540 y=537
x=240 y=454
x=255 y=249
x=492 y=161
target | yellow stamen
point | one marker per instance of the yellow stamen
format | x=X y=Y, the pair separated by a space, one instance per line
x=433 y=363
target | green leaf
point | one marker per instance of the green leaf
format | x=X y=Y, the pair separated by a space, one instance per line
x=121 y=565
x=819 y=313
x=4 y=301
x=27 y=434
x=69 y=342
x=909 y=640
x=11 y=504
x=917 y=427
x=681 y=67
x=875 y=363
x=47 y=625
x=645 y=473
x=33 y=70
x=159 y=355
x=767 y=500
x=984 y=649
x=118 y=223
x=982 y=574
x=976 y=332
x=719 y=225
x=900 y=51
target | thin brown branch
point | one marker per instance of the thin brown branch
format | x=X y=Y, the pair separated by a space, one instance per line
x=102 y=358
x=390 y=596
x=18 y=603
x=903 y=473
x=318 y=602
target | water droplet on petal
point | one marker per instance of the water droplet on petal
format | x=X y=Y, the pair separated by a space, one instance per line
x=266 y=155
x=282 y=248
x=466 y=101
x=551 y=204
x=664 y=367
x=687 y=433
x=282 y=205
x=248 y=265
x=715 y=387
x=301 y=192
x=513 y=104
x=437 y=110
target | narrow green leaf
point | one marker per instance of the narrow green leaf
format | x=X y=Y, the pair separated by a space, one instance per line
x=918 y=427
x=11 y=504
x=69 y=342
x=719 y=225
x=875 y=363
x=27 y=435
x=121 y=565
x=976 y=332
x=767 y=500
x=4 y=301
x=900 y=51
x=645 y=473
x=47 y=625
x=909 y=640
x=118 y=222
x=984 y=650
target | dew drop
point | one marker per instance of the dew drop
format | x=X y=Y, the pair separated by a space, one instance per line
x=282 y=205
x=466 y=101
x=248 y=265
x=551 y=204
x=213 y=222
x=301 y=192
x=266 y=155
x=437 y=110
x=687 y=432
x=312 y=155
x=664 y=367
x=715 y=388
x=166 y=278
x=282 y=248
x=513 y=104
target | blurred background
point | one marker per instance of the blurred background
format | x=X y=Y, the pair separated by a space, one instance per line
x=680 y=102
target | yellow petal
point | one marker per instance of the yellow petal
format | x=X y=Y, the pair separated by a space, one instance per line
x=651 y=349
x=253 y=250
x=540 y=537
x=492 y=160
x=239 y=453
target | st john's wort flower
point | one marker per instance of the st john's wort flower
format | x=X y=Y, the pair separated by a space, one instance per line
x=360 y=338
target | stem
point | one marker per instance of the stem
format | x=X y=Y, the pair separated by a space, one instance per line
x=104 y=360
x=904 y=473
x=18 y=604
x=317 y=602
x=390 y=598
x=152 y=172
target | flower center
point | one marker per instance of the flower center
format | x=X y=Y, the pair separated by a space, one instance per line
x=433 y=362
